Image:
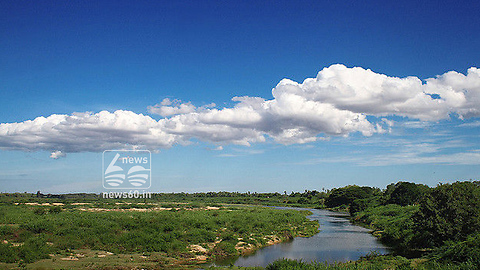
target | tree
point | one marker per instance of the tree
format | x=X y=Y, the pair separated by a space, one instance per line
x=405 y=193
x=362 y=204
x=449 y=212
x=346 y=195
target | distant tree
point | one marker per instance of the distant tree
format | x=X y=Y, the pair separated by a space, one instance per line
x=362 y=204
x=405 y=193
x=346 y=195
x=302 y=200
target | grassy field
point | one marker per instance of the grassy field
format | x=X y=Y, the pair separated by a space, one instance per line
x=52 y=233
x=428 y=228
x=308 y=198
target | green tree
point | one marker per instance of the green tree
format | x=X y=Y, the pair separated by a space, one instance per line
x=362 y=204
x=451 y=212
x=346 y=195
x=405 y=193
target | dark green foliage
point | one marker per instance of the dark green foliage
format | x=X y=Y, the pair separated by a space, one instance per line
x=372 y=262
x=287 y=264
x=462 y=251
x=443 y=221
x=362 y=204
x=34 y=249
x=8 y=253
x=39 y=211
x=449 y=212
x=199 y=235
x=55 y=210
x=405 y=193
x=346 y=195
x=224 y=249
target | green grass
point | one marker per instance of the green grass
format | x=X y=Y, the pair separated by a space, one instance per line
x=370 y=263
x=30 y=232
x=392 y=223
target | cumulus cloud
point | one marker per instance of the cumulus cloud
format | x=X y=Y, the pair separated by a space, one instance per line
x=337 y=102
x=364 y=91
x=85 y=132
x=169 y=108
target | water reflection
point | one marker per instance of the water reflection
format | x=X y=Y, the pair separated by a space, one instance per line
x=338 y=240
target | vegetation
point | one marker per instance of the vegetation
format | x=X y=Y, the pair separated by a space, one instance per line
x=180 y=233
x=308 y=198
x=371 y=262
x=404 y=193
x=429 y=228
x=449 y=212
x=441 y=224
x=344 y=197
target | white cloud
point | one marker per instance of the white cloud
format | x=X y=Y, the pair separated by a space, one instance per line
x=85 y=132
x=462 y=158
x=364 y=91
x=169 y=108
x=471 y=124
x=337 y=102
x=417 y=124
x=57 y=154
x=403 y=151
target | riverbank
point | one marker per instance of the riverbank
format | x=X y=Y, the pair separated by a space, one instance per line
x=430 y=228
x=337 y=241
x=62 y=234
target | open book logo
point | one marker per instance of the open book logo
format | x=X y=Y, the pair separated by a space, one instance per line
x=126 y=169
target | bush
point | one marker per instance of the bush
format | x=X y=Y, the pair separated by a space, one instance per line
x=457 y=252
x=34 y=249
x=285 y=264
x=8 y=253
x=39 y=211
x=55 y=210
x=224 y=249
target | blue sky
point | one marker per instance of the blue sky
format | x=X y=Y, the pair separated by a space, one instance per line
x=163 y=64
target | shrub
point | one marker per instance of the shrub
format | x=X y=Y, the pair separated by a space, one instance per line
x=34 y=249
x=224 y=249
x=457 y=252
x=55 y=210
x=286 y=264
x=39 y=211
x=8 y=253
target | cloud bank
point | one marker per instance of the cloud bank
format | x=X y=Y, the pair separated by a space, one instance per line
x=335 y=103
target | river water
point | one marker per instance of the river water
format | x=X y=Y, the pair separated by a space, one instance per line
x=337 y=240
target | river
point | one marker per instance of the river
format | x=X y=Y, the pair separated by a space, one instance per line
x=337 y=240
